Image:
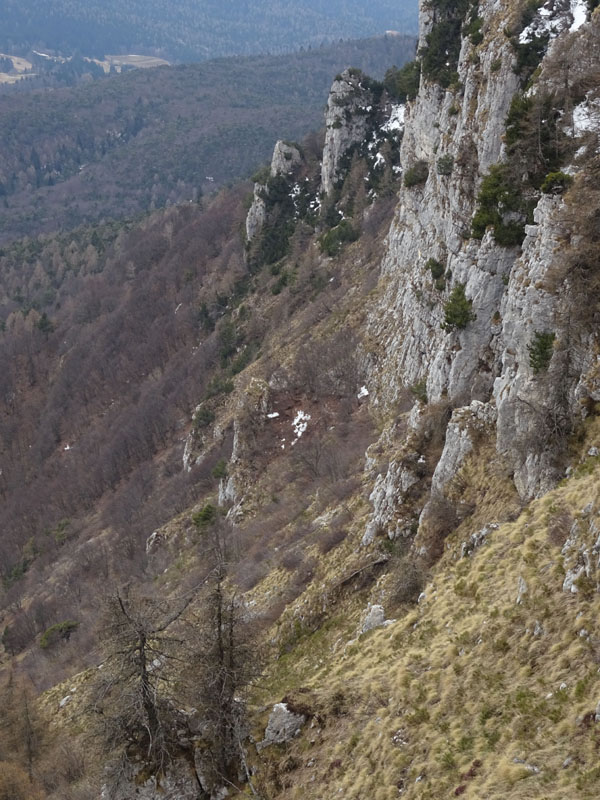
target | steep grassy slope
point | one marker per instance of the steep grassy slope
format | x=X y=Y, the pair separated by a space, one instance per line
x=430 y=614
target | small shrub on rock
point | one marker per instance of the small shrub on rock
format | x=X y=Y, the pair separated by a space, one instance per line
x=556 y=183
x=416 y=174
x=444 y=165
x=540 y=351
x=458 y=310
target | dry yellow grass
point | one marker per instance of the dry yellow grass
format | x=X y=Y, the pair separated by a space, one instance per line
x=470 y=690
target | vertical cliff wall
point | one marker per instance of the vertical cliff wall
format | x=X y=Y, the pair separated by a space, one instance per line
x=516 y=292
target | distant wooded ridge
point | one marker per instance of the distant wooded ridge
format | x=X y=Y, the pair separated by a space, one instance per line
x=126 y=144
x=188 y=30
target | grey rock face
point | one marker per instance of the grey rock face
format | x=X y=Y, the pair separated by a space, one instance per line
x=523 y=590
x=387 y=497
x=477 y=539
x=286 y=158
x=511 y=290
x=257 y=213
x=465 y=424
x=374 y=618
x=526 y=401
x=179 y=783
x=346 y=120
x=282 y=726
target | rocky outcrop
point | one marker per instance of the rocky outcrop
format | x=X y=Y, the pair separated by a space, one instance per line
x=257 y=213
x=286 y=159
x=349 y=106
x=282 y=726
x=466 y=425
x=179 y=782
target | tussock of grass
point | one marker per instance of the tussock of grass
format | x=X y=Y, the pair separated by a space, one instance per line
x=464 y=679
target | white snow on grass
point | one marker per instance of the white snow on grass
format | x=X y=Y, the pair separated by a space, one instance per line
x=396 y=120
x=300 y=424
x=273 y=414
x=364 y=392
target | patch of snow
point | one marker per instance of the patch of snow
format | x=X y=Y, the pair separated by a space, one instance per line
x=67 y=447
x=300 y=424
x=364 y=392
x=553 y=18
x=586 y=117
x=64 y=701
x=272 y=415
x=396 y=120
x=379 y=160
x=579 y=10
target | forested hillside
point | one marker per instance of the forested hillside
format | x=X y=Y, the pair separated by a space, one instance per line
x=189 y=30
x=141 y=140
x=299 y=485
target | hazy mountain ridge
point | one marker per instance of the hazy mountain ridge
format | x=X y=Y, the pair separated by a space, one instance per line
x=186 y=30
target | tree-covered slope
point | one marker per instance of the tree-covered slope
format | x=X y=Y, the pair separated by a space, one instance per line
x=140 y=140
x=191 y=30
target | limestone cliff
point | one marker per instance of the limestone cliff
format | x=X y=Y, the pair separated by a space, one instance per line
x=517 y=292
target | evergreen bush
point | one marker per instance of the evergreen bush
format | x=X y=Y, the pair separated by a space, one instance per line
x=416 y=174
x=458 y=310
x=499 y=196
x=540 y=351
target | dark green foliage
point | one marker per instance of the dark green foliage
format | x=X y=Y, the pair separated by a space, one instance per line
x=556 y=183
x=473 y=28
x=516 y=119
x=285 y=279
x=416 y=174
x=220 y=469
x=262 y=174
x=458 y=310
x=241 y=362
x=56 y=633
x=220 y=384
x=203 y=518
x=498 y=196
x=535 y=136
x=420 y=391
x=44 y=324
x=227 y=340
x=439 y=59
x=332 y=241
x=529 y=54
x=403 y=84
x=540 y=351
x=436 y=267
x=274 y=239
x=203 y=417
x=444 y=165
